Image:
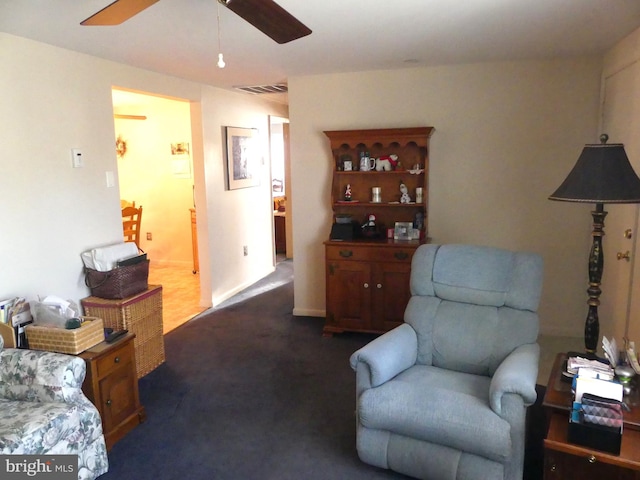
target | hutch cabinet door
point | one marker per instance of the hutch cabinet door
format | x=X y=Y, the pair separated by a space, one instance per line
x=391 y=294
x=349 y=295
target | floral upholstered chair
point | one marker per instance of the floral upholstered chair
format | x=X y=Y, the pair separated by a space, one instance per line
x=44 y=412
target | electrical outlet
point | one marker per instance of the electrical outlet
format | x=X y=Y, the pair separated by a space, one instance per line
x=149 y=236
x=245 y=250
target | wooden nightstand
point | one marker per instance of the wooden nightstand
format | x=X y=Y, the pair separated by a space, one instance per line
x=567 y=461
x=111 y=384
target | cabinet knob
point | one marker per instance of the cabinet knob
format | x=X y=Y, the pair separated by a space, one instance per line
x=552 y=467
x=366 y=285
x=108 y=402
x=116 y=360
x=379 y=285
x=346 y=253
x=591 y=459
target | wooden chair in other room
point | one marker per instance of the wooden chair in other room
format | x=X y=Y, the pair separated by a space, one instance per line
x=131 y=218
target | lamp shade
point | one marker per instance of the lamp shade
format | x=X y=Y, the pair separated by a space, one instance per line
x=602 y=174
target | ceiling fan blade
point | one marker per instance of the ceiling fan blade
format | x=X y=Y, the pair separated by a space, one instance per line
x=270 y=18
x=117 y=12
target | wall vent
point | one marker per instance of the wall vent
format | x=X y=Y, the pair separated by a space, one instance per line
x=260 y=89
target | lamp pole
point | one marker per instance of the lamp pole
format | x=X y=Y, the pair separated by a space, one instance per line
x=596 y=265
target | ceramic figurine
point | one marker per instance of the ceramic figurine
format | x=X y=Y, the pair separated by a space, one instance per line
x=404 y=198
x=386 y=163
x=347 y=193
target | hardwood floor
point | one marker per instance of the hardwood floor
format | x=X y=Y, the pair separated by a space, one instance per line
x=180 y=294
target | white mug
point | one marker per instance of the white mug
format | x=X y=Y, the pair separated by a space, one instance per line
x=367 y=164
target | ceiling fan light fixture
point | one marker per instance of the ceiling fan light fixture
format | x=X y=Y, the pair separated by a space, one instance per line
x=220 y=63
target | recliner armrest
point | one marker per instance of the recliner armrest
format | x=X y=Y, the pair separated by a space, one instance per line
x=516 y=374
x=389 y=354
x=40 y=376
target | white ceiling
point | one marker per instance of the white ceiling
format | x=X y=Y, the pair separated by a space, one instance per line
x=179 y=37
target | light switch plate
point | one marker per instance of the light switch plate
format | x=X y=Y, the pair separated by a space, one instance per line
x=76 y=158
x=111 y=180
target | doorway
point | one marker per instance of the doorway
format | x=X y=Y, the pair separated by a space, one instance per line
x=155 y=170
x=280 y=187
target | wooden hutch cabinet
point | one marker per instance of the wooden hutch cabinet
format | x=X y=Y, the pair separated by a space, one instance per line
x=367 y=276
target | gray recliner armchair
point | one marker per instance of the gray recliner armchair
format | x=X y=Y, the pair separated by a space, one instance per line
x=444 y=395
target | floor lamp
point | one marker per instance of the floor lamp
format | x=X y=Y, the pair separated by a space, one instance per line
x=601 y=175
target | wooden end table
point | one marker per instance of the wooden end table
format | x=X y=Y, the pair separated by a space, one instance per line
x=111 y=384
x=567 y=461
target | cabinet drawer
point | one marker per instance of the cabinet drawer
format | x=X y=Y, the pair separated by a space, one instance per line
x=114 y=360
x=563 y=466
x=348 y=252
x=365 y=253
x=394 y=254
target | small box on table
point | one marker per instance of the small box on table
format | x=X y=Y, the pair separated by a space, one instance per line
x=140 y=314
x=599 y=437
x=61 y=340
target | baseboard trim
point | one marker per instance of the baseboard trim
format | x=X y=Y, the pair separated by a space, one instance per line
x=309 y=312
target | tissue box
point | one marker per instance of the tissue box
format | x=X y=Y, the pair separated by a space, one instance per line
x=62 y=340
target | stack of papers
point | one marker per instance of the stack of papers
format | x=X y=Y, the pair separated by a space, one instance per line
x=589 y=368
x=610 y=350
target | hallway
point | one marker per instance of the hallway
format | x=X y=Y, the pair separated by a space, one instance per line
x=181 y=290
x=180 y=294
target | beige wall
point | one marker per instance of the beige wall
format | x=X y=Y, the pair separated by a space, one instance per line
x=506 y=136
x=55 y=100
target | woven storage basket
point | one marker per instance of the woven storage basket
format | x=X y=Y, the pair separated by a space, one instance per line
x=140 y=314
x=73 y=341
x=121 y=282
x=149 y=355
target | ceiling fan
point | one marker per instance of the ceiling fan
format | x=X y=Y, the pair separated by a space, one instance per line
x=266 y=15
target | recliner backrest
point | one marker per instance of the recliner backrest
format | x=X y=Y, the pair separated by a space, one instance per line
x=472 y=305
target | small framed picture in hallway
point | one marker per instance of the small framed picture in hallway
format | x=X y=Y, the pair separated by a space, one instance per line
x=242 y=158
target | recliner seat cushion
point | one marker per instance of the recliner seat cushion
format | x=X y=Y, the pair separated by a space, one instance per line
x=38 y=428
x=456 y=413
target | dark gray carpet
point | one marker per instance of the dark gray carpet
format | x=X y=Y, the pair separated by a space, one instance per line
x=249 y=392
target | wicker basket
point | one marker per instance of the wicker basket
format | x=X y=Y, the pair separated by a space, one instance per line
x=121 y=282
x=140 y=314
x=61 y=340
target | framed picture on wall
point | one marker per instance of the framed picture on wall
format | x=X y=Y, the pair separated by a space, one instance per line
x=242 y=158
